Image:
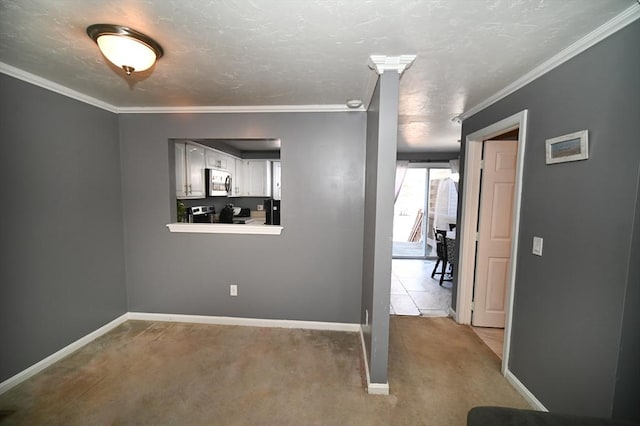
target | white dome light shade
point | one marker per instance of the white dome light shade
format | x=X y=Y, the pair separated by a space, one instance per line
x=126 y=52
x=124 y=47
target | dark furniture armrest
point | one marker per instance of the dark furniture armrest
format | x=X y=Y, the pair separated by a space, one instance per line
x=501 y=416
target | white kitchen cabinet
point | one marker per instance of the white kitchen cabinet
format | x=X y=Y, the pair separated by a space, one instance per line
x=237 y=181
x=181 y=170
x=276 y=179
x=211 y=159
x=218 y=160
x=190 y=164
x=255 y=178
x=228 y=163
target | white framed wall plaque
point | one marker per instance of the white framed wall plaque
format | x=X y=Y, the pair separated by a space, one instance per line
x=571 y=147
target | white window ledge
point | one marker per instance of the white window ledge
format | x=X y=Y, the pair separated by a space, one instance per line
x=225 y=228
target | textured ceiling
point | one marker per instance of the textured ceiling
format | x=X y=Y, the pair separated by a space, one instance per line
x=303 y=52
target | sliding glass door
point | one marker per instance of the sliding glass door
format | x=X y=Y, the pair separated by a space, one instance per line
x=408 y=214
x=427 y=199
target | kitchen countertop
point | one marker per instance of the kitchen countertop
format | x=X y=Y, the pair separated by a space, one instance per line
x=256 y=227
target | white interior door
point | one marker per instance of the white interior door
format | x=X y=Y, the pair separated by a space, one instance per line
x=494 y=233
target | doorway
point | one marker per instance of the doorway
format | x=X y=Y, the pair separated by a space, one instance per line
x=471 y=200
x=494 y=229
x=426 y=198
x=494 y=239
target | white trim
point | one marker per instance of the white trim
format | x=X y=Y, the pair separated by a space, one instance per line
x=54 y=87
x=468 y=220
x=377 y=388
x=582 y=136
x=469 y=212
x=225 y=228
x=237 y=109
x=57 y=356
x=453 y=314
x=513 y=264
x=382 y=63
x=65 y=91
x=247 y=322
x=522 y=390
x=372 y=388
x=615 y=24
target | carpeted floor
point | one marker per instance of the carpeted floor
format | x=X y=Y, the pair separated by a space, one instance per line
x=192 y=374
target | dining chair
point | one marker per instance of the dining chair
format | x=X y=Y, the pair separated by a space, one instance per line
x=442 y=256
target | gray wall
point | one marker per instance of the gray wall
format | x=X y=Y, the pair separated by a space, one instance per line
x=382 y=131
x=313 y=271
x=569 y=307
x=627 y=391
x=62 y=263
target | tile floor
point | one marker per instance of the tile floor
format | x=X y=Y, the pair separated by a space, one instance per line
x=415 y=293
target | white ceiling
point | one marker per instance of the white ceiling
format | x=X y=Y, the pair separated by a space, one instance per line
x=303 y=52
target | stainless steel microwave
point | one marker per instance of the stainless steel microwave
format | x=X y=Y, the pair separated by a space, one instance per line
x=218 y=183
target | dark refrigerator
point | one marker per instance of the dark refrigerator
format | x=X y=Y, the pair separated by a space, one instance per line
x=272 y=212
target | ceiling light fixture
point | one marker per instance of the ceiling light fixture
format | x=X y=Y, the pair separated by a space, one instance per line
x=125 y=47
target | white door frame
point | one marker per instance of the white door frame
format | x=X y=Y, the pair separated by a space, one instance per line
x=469 y=220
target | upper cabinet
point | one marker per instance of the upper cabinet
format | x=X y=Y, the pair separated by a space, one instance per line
x=253 y=178
x=275 y=187
x=190 y=165
x=237 y=181
x=182 y=189
x=249 y=177
x=218 y=160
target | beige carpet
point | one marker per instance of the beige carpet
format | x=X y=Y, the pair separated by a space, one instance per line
x=188 y=374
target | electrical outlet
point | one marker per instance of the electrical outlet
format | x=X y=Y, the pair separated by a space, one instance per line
x=233 y=290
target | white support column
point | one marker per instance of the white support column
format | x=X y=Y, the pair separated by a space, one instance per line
x=381 y=149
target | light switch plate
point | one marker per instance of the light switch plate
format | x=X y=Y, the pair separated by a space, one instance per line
x=537 y=246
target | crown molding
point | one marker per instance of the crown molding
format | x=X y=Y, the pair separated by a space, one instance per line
x=54 y=87
x=65 y=91
x=237 y=109
x=382 y=63
x=610 y=27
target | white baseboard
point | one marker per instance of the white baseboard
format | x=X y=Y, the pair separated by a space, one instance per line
x=453 y=314
x=57 y=356
x=372 y=388
x=522 y=390
x=249 y=322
